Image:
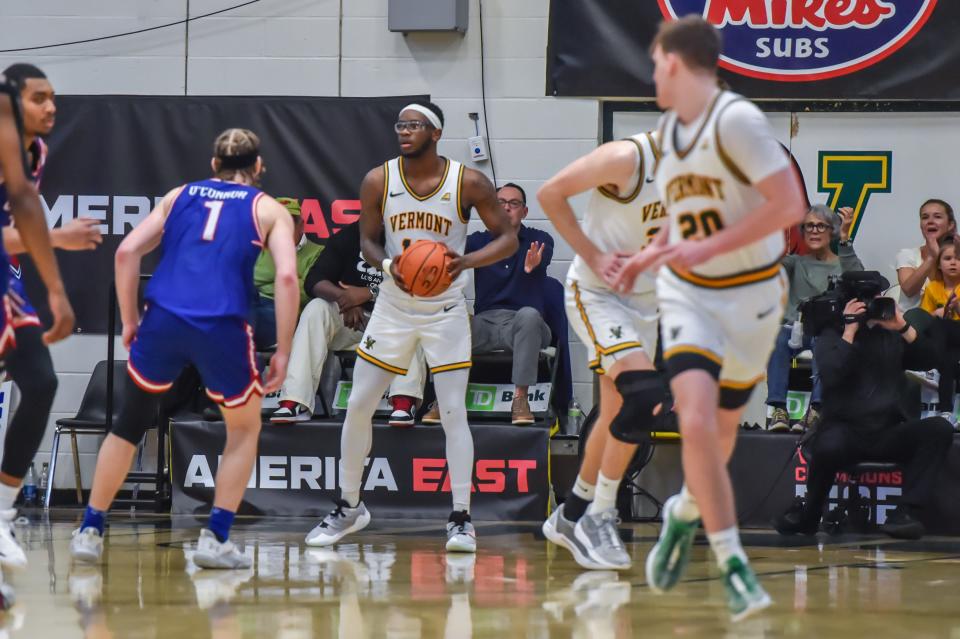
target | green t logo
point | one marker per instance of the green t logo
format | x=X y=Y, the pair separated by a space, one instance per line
x=851 y=176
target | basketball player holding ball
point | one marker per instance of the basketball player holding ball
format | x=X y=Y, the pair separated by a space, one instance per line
x=417 y=196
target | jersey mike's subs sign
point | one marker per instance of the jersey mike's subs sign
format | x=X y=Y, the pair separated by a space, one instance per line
x=789 y=49
x=804 y=40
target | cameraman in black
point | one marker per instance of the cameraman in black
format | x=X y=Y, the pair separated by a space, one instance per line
x=862 y=363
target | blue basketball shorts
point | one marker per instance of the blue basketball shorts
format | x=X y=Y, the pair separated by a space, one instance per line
x=221 y=348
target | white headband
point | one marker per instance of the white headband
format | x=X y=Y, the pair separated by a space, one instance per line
x=430 y=115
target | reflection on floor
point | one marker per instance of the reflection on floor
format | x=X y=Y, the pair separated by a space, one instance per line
x=395 y=580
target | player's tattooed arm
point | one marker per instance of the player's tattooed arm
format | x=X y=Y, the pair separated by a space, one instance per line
x=32 y=223
x=371 y=223
x=477 y=191
x=611 y=165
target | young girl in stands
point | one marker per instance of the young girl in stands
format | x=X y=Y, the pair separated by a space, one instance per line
x=940 y=299
x=916 y=266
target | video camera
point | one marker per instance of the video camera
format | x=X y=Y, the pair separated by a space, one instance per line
x=826 y=310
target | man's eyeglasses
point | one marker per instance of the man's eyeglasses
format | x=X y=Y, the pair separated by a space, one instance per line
x=511 y=204
x=815 y=227
x=410 y=125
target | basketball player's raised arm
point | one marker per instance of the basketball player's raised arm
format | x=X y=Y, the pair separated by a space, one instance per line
x=141 y=240
x=278 y=225
x=28 y=214
x=611 y=165
x=477 y=191
x=746 y=139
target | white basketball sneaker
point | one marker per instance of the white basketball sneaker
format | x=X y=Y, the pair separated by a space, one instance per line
x=461 y=536
x=11 y=553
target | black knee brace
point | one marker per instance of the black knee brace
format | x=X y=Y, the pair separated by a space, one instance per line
x=137 y=412
x=642 y=392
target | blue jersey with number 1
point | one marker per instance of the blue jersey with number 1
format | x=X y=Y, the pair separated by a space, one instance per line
x=211 y=240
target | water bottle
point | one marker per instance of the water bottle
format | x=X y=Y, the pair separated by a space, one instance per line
x=796 y=335
x=44 y=477
x=574 y=417
x=30 y=487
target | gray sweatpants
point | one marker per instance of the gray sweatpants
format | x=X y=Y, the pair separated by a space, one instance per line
x=522 y=333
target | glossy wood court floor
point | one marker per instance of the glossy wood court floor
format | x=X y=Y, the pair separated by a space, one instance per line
x=394 y=580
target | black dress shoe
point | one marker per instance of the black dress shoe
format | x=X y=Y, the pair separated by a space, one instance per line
x=796 y=521
x=900 y=524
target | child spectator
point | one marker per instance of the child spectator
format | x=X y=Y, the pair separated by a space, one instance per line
x=940 y=300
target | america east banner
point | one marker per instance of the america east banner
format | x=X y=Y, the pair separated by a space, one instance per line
x=772 y=49
x=297 y=471
x=112 y=158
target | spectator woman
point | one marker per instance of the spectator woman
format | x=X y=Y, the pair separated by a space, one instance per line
x=809 y=276
x=940 y=300
x=916 y=265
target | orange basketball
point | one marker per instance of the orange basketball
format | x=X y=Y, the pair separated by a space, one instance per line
x=423 y=267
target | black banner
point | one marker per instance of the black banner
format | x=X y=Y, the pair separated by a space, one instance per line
x=773 y=49
x=113 y=157
x=767 y=473
x=297 y=471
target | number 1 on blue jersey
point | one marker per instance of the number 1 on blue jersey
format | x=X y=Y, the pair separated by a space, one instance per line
x=210 y=228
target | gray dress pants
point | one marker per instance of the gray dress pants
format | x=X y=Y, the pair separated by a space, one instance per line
x=521 y=332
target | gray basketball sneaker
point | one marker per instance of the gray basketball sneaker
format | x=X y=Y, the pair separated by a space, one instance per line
x=599 y=535
x=341 y=521
x=461 y=536
x=86 y=545
x=212 y=553
x=560 y=531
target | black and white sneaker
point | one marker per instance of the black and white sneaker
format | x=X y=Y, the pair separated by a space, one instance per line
x=290 y=412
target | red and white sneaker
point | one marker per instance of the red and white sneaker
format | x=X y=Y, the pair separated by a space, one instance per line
x=290 y=412
x=404 y=408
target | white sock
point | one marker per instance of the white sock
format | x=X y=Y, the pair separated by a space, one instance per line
x=8 y=495
x=685 y=508
x=605 y=497
x=726 y=544
x=583 y=489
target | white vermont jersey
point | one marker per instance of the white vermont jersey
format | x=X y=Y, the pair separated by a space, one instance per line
x=624 y=223
x=437 y=216
x=704 y=191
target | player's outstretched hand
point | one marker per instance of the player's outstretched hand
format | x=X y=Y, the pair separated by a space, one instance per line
x=277 y=372
x=81 y=234
x=63 y=317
